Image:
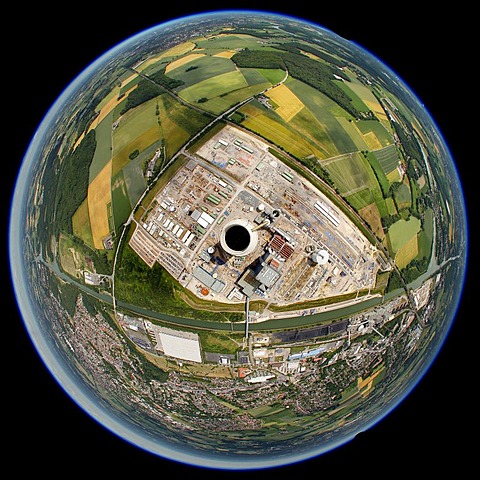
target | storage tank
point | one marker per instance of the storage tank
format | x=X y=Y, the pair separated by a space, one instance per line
x=319 y=257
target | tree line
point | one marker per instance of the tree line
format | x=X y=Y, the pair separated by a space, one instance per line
x=72 y=184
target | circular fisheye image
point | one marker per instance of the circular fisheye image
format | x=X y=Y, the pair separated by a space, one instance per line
x=237 y=240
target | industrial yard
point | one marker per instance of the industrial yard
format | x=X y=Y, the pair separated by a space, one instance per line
x=235 y=222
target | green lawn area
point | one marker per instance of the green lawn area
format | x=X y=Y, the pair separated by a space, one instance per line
x=402 y=231
x=219 y=342
x=103 y=152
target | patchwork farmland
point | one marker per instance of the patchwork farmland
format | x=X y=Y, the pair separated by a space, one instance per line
x=295 y=116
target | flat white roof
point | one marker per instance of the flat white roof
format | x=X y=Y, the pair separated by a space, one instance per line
x=182 y=345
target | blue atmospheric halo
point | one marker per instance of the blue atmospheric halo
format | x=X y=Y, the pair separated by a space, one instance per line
x=30 y=275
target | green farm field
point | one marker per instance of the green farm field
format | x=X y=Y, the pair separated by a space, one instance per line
x=214 y=86
x=178 y=123
x=357 y=102
x=270 y=126
x=81 y=224
x=134 y=180
x=222 y=42
x=388 y=158
x=425 y=237
x=222 y=103
x=326 y=113
x=120 y=200
x=401 y=232
x=350 y=173
x=103 y=152
x=378 y=129
x=403 y=196
x=137 y=130
x=314 y=130
x=200 y=70
x=272 y=75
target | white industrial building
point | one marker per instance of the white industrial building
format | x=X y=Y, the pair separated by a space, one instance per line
x=178 y=344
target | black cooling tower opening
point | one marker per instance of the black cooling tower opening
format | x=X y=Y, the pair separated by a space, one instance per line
x=237 y=238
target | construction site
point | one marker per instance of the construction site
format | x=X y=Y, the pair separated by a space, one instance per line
x=236 y=223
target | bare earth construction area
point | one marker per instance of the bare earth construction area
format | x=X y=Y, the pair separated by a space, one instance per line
x=236 y=222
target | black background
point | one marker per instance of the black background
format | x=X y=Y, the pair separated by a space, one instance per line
x=431 y=51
